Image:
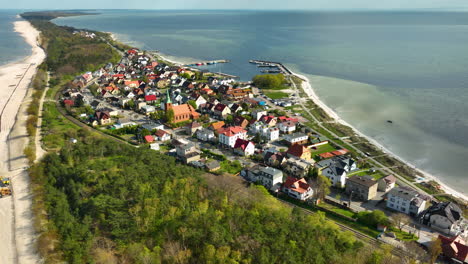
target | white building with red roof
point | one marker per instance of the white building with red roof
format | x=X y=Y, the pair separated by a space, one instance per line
x=244 y=147
x=229 y=135
x=297 y=188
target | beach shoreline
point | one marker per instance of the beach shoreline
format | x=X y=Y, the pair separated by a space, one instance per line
x=15 y=211
x=309 y=90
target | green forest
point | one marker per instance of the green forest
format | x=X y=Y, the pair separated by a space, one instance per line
x=112 y=202
x=70 y=54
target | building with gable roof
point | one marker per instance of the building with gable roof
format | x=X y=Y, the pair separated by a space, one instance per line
x=297 y=188
x=445 y=217
x=405 y=200
x=183 y=112
x=229 y=135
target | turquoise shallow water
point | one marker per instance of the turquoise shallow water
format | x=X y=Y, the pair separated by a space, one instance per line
x=410 y=67
x=12 y=45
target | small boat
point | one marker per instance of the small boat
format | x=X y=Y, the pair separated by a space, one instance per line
x=390 y=121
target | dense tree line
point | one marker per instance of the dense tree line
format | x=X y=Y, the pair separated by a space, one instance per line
x=269 y=81
x=145 y=206
x=69 y=53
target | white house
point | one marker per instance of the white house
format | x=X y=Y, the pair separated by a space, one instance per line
x=147 y=109
x=296 y=138
x=287 y=127
x=405 y=200
x=229 y=135
x=270 y=133
x=205 y=134
x=269 y=177
x=162 y=135
x=244 y=147
x=445 y=217
x=257 y=114
x=297 y=188
x=336 y=169
x=200 y=100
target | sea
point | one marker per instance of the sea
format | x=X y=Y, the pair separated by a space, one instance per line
x=12 y=45
x=410 y=67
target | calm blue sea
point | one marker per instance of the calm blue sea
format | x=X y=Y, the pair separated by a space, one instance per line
x=370 y=67
x=12 y=45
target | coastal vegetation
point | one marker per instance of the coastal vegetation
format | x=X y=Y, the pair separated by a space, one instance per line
x=269 y=81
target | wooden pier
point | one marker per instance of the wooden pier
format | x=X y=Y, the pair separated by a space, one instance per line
x=271 y=64
x=203 y=63
x=227 y=75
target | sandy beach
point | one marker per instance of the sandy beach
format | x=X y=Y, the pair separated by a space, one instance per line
x=17 y=232
x=308 y=89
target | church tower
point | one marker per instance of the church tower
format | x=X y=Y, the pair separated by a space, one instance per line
x=168 y=103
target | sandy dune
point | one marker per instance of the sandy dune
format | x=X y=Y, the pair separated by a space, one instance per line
x=16 y=231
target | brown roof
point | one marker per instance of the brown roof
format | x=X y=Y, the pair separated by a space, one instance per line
x=363 y=180
x=297 y=150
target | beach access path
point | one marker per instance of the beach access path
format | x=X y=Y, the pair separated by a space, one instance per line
x=16 y=230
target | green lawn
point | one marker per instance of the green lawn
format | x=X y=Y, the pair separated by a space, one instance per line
x=58 y=128
x=337 y=210
x=276 y=95
x=376 y=175
x=231 y=167
x=404 y=236
x=322 y=149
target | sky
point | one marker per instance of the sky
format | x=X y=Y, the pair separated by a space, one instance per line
x=235 y=4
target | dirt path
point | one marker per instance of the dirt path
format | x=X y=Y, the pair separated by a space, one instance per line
x=40 y=152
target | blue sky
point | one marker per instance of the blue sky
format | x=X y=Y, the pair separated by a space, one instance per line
x=236 y=4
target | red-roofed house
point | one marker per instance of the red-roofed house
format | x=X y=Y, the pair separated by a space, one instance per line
x=162 y=135
x=229 y=135
x=268 y=120
x=132 y=84
x=132 y=51
x=297 y=188
x=299 y=151
x=151 y=98
x=340 y=152
x=68 y=102
x=244 y=147
x=222 y=110
x=455 y=248
x=149 y=139
x=326 y=155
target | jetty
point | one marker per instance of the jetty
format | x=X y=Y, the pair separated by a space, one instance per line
x=203 y=63
x=227 y=75
x=271 y=64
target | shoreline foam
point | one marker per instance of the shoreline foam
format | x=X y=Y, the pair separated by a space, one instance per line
x=308 y=89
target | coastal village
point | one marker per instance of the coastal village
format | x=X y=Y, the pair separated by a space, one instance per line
x=219 y=124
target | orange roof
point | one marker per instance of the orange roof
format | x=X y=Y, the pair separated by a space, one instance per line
x=339 y=152
x=132 y=82
x=298 y=185
x=231 y=131
x=217 y=125
x=327 y=155
x=183 y=109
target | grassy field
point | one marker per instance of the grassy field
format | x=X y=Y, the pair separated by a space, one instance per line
x=276 y=95
x=322 y=149
x=337 y=210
